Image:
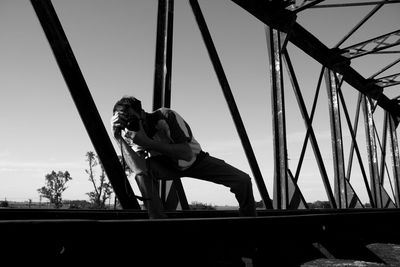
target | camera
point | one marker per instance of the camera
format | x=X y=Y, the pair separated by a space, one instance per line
x=133 y=124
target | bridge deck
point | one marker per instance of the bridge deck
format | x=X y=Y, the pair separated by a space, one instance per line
x=196 y=238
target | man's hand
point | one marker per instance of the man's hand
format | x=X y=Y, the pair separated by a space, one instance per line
x=118 y=122
x=139 y=137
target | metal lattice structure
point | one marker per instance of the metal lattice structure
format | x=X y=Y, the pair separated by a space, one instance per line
x=279 y=18
x=287 y=232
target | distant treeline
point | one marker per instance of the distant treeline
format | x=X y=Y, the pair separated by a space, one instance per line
x=83 y=204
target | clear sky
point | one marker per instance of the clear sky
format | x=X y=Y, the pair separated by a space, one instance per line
x=114 y=43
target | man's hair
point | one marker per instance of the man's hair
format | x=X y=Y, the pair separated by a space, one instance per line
x=128 y=101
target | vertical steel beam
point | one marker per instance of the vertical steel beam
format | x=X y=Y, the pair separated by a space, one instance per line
x=337 y=140
x=383 y=148
x=84 y=102
x=394 y=146
x=281 y=198
x=372 y=153
x=231 y=103
x=172 y=192
x=163 y=59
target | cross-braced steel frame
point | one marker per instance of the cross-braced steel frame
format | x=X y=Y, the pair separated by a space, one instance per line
x=281 y=28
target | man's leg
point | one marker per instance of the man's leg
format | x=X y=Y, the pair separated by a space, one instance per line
x=218 y=171
x=157 y=169
x=146 y=183
x=149 y=191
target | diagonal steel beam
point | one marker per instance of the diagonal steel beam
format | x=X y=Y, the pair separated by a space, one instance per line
x=373 y=45
x=310 y=132
x=371 y=3
x=298 y=6
x=390 y=80
x=354 y=145
x=385 y=68
x=231 y=103
x=282 y=19
x=84 y=102
x=355 y=28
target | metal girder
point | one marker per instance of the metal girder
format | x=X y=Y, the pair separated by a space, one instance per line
x=379 y=194
x=281 y=188
x=371 y=3
x=373 y=45
x=385 y=68
x=355 y=28
x=300 y=5
x=84 y=102
x=336 y=138
x=282 y=19
x=354 y=147
x=383 y=148
x=231 y=103
x=394 y=147
x=171 y=192
x=372 y=153
x=387 y=81
x=163 y=58
x=310 y=132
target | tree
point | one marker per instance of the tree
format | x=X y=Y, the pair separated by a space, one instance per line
x=195 y=205
x=102 y=187
x=55 y=186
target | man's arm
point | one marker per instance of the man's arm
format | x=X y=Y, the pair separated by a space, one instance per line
x=177 y=151
x=136 y=163
x=180 y=151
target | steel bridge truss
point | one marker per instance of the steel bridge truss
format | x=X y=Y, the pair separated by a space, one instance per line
x=279 y=18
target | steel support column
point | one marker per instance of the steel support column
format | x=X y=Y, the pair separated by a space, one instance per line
x=372 y=153
x=231 y=103
x=281 y=197
x=84 y=102
x=172 y=192
x=394 y=145
x=337 y=140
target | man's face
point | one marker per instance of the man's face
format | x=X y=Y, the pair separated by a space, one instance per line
x=128 y=114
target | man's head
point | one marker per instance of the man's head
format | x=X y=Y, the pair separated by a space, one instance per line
x=131 y=108
x=128 y=102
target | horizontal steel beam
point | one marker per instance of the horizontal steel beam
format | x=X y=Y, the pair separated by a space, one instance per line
x=198 y=241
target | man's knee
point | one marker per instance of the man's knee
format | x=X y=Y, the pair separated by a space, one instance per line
x=243 y=183
x=245 y=179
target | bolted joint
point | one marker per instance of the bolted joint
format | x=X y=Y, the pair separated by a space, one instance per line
x=372 y=89
x=336 y=61
x=282 y=19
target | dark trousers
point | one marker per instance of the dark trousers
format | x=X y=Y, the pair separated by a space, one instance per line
x=210 y=169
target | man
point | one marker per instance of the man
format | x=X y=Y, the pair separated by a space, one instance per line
x=160 y=145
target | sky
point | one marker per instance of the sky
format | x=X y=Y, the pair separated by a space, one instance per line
x=114 y=44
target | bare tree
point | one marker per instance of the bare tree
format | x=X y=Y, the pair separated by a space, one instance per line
x=102 y=188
